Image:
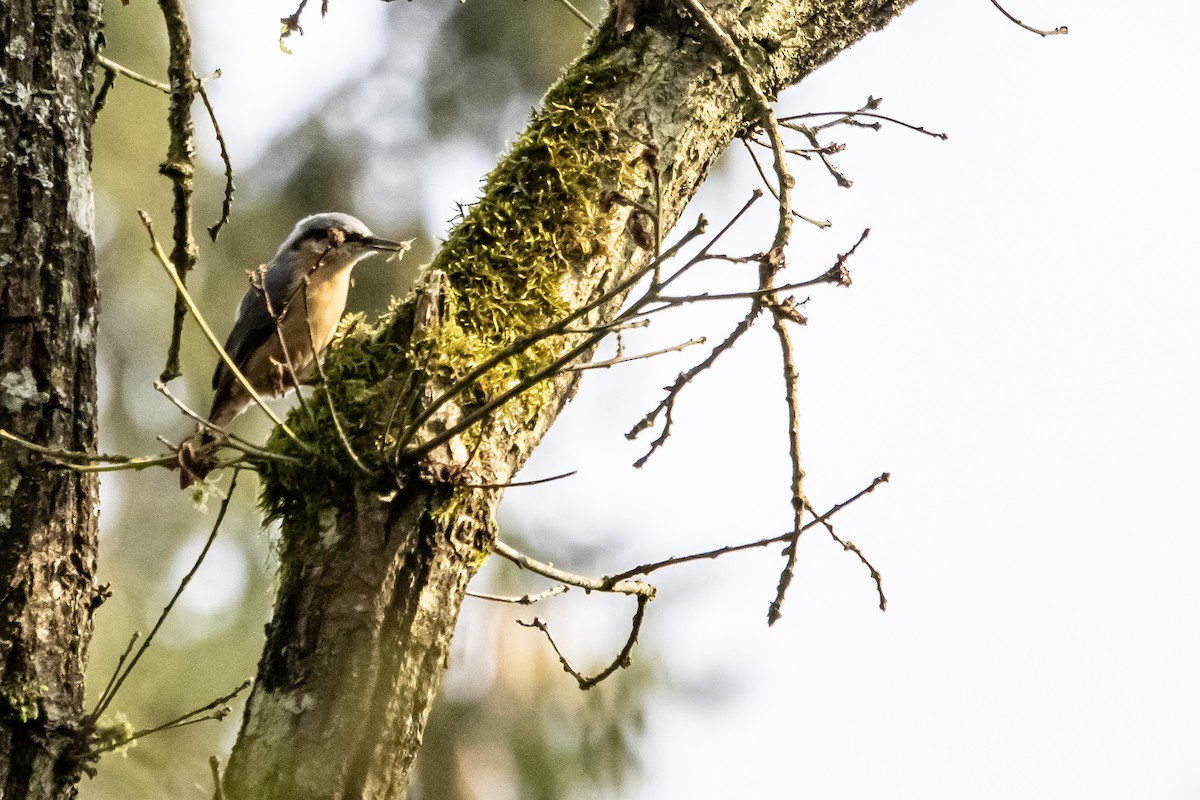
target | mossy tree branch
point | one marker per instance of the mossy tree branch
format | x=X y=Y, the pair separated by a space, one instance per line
x=373 y=570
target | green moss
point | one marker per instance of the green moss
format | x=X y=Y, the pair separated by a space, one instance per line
x=541 y=213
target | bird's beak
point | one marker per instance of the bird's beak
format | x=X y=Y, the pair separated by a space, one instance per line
x=383 y=245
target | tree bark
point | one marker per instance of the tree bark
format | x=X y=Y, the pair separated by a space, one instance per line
x=374 y=568
x=48 y=303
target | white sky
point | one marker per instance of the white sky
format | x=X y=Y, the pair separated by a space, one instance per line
x=1017 y=350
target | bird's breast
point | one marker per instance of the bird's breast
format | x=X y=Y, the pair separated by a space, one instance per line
x=326 y=303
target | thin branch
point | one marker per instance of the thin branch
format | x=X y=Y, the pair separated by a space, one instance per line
x=190 y=717
x=838 y=274
x=165 y=460
x=821 y=152
x=110 y=77
x=786 y=121
x=218 y=708
x=208 y=333
x=519 y=484
x=179 y=165
x=579 y=15
x=111 y=66
x=214 y=766
x=655 y=566
x=612 y=362
x=666 y=406
x=853 y=548
x=228 y=439
x=1060 y=30
x=616 y=585
x=112 y=69
x=799 y=501
x=227 y=200
x=61 y=456
x=819 y=223
x=523 y=600
x=616 y=326
x=112 y=679
x=620 y=662
x=107 y=699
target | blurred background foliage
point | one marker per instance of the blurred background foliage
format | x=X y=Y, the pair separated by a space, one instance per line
x=454 y=80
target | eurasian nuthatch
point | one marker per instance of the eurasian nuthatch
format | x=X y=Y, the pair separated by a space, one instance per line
x=295 y=302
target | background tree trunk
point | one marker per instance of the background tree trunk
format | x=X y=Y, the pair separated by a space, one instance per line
x=48 y=303
x=374 y=570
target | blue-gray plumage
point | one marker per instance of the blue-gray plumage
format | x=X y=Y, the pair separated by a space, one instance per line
x=303 y=313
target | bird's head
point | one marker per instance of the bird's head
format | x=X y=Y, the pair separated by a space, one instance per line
x=332 y=240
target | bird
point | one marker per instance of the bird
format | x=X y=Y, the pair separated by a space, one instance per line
x=295 y=301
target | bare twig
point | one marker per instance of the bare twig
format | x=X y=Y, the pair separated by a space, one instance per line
x=612 y=362
x=61 y=456
x=562 y=327
x=579 y=15
x=214 y=766
x=115 y=686
x=819 y=223
x=799 y=502
x=110 y=66
x=136 y=465
x=179 y=165
x=523 y=600
x=110 y=77
x=616 y=585
x=218 y=708
x=655 y=566
x=1060 y=30
x=853 y=548
x=116 y=673
x=229 y=439
x=519 y=484
x=822 y=152
x=666 y=406
x=190 y=717
x=112 y=69
x=620 y=662
x=847 y=116
x=227 y=201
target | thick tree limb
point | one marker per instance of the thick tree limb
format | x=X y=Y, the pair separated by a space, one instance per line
x=374 y=572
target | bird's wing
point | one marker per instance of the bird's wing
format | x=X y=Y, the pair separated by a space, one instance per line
x=253 y=325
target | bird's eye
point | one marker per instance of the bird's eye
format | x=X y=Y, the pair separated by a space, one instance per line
x=337 y=237
x=318 y=236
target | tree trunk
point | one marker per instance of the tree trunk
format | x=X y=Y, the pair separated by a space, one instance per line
x=47 y=389
x=375 y=567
